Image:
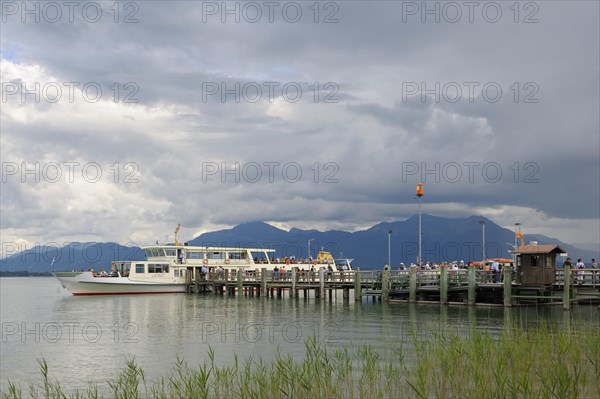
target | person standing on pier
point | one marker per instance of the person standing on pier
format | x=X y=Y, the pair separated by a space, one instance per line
x=594 y=267
x=495 y=271
x=580 y=266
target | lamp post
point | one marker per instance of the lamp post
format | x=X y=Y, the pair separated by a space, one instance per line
x=420 y=195
x=517 y=227
x=482 y=223
x=309 y=240
x=390 y=249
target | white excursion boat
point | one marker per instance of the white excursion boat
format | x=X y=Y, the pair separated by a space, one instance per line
x=169 y=268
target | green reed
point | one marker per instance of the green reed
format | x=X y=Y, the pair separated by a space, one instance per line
x=516 y=363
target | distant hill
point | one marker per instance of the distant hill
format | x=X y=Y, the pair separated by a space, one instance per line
x=444 y=239
x=76 y=255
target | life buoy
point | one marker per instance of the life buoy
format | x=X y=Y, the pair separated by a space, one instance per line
x=227 y=261
x=205 y=261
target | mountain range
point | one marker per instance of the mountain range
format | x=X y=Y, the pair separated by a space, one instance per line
x=444 y=239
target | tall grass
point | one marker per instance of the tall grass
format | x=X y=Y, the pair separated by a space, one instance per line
x=516 y=363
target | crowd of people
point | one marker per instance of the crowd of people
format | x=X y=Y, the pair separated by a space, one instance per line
x=579 y=270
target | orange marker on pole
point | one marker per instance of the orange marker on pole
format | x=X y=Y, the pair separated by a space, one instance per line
x=419 y=189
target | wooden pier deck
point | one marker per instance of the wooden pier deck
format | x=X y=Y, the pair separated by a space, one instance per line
x=467 y=286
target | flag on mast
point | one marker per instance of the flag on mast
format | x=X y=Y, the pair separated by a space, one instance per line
x=177 y=229
x=520 y=235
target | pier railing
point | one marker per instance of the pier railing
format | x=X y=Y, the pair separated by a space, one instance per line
x=588 y=277
x=424 y=278
x=444 y=285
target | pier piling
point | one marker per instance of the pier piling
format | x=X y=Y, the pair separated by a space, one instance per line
x=566 y=287
x=444 y=285
x=507 y=271
x=321 y=282
x=385 y=285
x=263 y=282
x=293 y=292
x=412 y=296
x=471 y=285
x=357 y=287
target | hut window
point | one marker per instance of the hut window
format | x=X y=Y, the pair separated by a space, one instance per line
x=535 y=261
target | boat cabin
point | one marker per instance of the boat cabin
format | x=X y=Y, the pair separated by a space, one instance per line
x=536 y=264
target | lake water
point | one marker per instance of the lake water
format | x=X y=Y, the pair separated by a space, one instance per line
x=89 y=338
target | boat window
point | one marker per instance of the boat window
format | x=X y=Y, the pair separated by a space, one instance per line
x=195 y=255
x=260 y=257
x=158 y=268
x=170 y=251
x=148 y=253
x=139 y=268
x=158 y=252
x=237 y=255
x=215 y=255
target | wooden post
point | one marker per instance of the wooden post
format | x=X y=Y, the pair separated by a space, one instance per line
x=412 y=296
x=507 y=271
x=321 y=282
x=197 y=277
x=566 y=287
x=471 y=284
x=263 y=282
x=293 y=291
x=385 y=285
x=240 y=281
x=357 y=287
x=444 y=285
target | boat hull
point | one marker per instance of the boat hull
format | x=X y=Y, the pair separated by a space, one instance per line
x=85 y=283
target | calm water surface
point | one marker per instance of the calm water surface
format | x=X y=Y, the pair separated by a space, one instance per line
x=88 y=338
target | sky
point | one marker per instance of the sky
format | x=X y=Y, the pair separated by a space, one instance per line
x=121 y=120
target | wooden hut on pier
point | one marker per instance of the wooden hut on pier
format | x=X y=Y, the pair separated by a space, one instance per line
x=536 y=264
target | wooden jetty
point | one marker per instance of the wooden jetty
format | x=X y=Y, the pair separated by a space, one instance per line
x=464 y=286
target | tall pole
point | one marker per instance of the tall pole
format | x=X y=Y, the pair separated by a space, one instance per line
x=420 y=233
x=309 y=240
x=515 y=247
x=390 y=249
x=483 y=249
x=420 y=194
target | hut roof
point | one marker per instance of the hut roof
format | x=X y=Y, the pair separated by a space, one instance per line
x=539 y=249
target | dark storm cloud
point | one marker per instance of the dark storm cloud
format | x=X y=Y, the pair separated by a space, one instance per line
x=543 y=128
